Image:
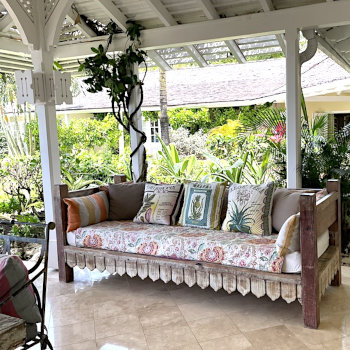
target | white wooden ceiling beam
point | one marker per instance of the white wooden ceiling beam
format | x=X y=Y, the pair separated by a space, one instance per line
x=11 y=46
x=195 y=54
x=158 y=60
x=267 y=6
x=22 y=21
x=336 y=33
x=54 y=23
x=333 y=54
x=168 y=20
x=235 y=51
x=211 y=13
x=81 y=25
x=162 y=13
x=6 y=23
x=208 y=9
x=343 y=46
x=114 y=13
x=118 y=17
x=320 y=15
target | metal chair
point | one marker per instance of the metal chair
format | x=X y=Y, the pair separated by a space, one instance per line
x=37 y=270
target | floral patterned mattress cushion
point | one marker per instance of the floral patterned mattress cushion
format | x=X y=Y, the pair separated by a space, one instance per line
x=185 y=243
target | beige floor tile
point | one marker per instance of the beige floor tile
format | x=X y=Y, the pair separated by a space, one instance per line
x=278 y=337
x=72 y=334
x=234 y=342
x=194 y=346
x=338 y=344
x=339 y=320
x=112 y=308
x=88 y=345
x=236 y=302
x=63 y=317
x=108 y=327
x=250 y=320
x=158 y=316
x=169 y=337
x=187 y=295
x=134 y=341
x=213 y=328
x=146 y=286
x=141 y=300
x=196 y=311
x=325 y=333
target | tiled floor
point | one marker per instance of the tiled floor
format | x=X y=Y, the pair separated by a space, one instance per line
x=102 y=311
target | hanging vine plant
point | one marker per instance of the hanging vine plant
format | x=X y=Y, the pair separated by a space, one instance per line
x=116 y=74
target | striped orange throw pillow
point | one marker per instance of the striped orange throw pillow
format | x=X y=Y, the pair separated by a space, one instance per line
x=88 y=210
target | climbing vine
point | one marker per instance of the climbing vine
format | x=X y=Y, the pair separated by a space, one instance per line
x=116 y=74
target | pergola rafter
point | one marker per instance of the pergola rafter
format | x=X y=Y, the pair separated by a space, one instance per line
x=72 y=16
x=211 y=13
x=169 y=21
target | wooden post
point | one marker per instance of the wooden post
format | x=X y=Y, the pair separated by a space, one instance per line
x=309 y=260
x=335 y=229
x=65 y=273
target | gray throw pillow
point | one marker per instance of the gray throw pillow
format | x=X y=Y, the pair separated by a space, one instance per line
x=125 y=200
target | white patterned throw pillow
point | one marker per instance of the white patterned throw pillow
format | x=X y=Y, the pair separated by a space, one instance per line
x=249 y=209
x=161 y=204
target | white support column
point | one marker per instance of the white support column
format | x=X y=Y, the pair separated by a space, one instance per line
x=49 y=150
x=293 y=103
x=121 y=140
x=137 y=159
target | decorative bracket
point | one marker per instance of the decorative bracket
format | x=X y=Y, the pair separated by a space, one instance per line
x=43 y=88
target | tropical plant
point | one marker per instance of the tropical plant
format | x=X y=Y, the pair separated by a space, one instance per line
x=222 y=170
x=230 y=129
x=195 y=119
x=116 y=74
x=258 y=173
x=178 y=169
x=77 y=183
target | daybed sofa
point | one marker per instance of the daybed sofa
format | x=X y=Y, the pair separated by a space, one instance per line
x=228 y=260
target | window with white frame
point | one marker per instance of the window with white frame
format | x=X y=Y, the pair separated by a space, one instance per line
x=155 y=130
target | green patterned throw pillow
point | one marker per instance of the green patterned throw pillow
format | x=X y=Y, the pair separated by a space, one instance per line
x=202 y=204
x=249 y=209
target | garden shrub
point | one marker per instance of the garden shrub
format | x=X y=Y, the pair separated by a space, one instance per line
x=189 y=144
x=22 y=181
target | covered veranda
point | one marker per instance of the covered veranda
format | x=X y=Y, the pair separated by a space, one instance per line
x=176 y=32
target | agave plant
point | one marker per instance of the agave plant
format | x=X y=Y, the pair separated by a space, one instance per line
x=240 y=219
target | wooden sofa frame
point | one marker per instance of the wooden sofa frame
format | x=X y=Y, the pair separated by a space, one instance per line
x=307 y=287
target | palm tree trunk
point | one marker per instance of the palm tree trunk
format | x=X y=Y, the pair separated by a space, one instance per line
x=164 y=119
